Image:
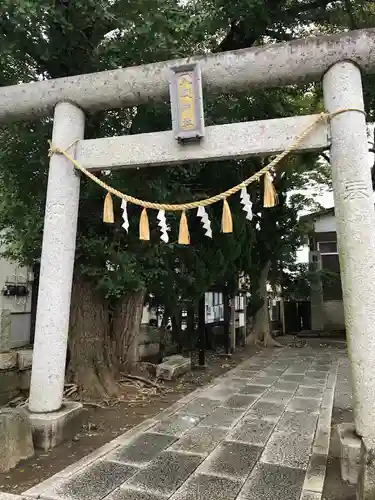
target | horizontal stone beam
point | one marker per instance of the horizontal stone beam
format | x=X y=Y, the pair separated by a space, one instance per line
x=238 y=140
x=273 y=65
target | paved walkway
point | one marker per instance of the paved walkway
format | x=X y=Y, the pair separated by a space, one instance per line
x=260 y=432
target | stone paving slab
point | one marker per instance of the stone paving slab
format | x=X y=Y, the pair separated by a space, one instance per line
x=129 y=494
x=253 y=390
x=275 y=396
x=304 y=404
x=200 y=440
x=177 y=424
x=205 y=487
x=201 y=406
x=273 y=482
x=94 y=483
x=266 y=410
x=166 y=473
x=316 y=473
x=304 y=424
x=143 y=449
x=240 y=401
x=309 y=392
x=261 y=431
x=223 y=417
x=288 y=449
x=254 y=432
x=232 y=459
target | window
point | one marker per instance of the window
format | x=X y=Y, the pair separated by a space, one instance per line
x=327 y=247
x=214 y=307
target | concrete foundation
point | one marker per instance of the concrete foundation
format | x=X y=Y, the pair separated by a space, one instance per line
x=15 y=438
x=366 y=478
x=50 y=429
x=350 y=447
x=173 y=367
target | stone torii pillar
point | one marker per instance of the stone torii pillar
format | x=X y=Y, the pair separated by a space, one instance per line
x=355 y=219
x=53 y=310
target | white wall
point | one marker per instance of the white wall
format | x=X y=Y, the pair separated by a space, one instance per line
x=325 y=224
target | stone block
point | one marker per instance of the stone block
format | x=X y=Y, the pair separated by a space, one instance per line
x=265 y=380
x=286 y=386
x=223 y=417
x=201 y=406
x=25 y=359
x=176 y=424
x=173 y=367
x=232 y=459
x=288 y=450
x=309 y=392
x=278 y=397
x=350 y=445
x=124 y=493
x=143 y=449
x=335 y=443
x=267 y=411
x=304 y=404
x=254 y=432
x=50 y=429
x=24 y=380
x=15 y=438
x=8 y=360
x=268 y=481
x=292 y=378
x=316 y=473
x=366 y=476
x=303 y=424
x=166 y=473
x=200 y=440
x=253 y=390
x=203 y=487
x=240 y=401
x=92 y=483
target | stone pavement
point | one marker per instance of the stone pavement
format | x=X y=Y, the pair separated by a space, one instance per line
x=260 y=432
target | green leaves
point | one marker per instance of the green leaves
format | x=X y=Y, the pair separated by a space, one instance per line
x=42 y=39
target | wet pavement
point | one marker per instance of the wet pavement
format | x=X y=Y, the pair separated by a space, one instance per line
x=260 y=431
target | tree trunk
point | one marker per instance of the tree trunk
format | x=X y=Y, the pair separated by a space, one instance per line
x=176 y=320
x=261 y=325
x=126 y=330
x=90 y=364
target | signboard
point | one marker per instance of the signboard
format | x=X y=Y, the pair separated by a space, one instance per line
x=187 y=103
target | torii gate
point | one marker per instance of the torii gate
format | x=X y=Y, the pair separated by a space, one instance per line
x=337 y=59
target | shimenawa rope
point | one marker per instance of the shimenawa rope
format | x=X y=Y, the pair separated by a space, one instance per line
x=213 y=199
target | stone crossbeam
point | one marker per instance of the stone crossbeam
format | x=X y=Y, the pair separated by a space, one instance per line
x=221 y=142
x=273 y=65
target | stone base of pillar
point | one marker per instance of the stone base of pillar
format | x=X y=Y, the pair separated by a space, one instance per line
x=350 y=447
x=50 y=429
x=366 y=478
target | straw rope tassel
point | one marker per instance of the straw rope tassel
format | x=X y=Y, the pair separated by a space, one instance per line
x=144 y=227
x=183 y=236
x=270 y=195
x=108 y=209
x=226 y=220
